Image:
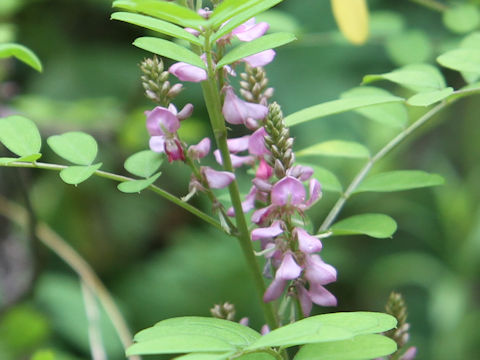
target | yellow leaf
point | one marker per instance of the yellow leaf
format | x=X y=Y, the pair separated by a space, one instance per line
x=352 y=19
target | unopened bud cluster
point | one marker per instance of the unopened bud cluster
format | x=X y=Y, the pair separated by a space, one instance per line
x=396 y=307
x=225 y=311
x=155 y=82
x=254 y=85
x=278 y=142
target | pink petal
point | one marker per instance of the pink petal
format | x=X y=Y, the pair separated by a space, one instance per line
x=274 y=290
x=288 y=191
x=160 y=120
x=322 y=296
x=238 y=144
x=187 y=72
x=244 y=321
x=192 y=31
x=264 y=330
x=409 y=354
x=319 y=272
x=260 y=59
x=264 y=171
x=262 y=185
x=261 y=214
x=268 y=232
x=256 y=143
x=307 y=243
x=302 y=173
x=246 y=32
x=217 y=179
x=236 y=111
x=315 y=192
x=200 y=150
x=288 y=269
x=305 y=300
x=186 y=112
x=236 y=160
x=157 y=144
x=174 y=150
x=248 y=204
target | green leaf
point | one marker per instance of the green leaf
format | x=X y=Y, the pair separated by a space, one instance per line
x=461 y=18
x=327 y=179
x=22 y=53
x=144 y=163
x=258 y=355
x=399 y=180
x=157 y=25
x=20 y=135
x=74 y=175
x=359 y=348
x=472 y=41
x=429 y=98
x=250 y=11
x=227 y=331
x=326 y=328
x=205 y=356
x=43 y=355
x=135 y=186
x=253 y=47
x=464 y=59
x=169 y=49
x=399 y=47
x=391 y=114
x=375 y=225
x=28 y=158
x=75 y=146
x=336 y=148
x=171 y=344
x=336 y=107
x=418 y=77
x=230 y=8
x=167 y=11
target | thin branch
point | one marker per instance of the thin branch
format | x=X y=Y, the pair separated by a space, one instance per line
x=120 y=178
x=63 y=250
x=432 y=4
x=332 y=215
x=97 y=348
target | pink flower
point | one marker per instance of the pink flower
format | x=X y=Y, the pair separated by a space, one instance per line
x=187 y=72
x=200 y=150
x=217 y=179
x=162 y=125
x=236 y=111
x=307 y=243
x=260 y=59
x=288 y=195
x=249 y=30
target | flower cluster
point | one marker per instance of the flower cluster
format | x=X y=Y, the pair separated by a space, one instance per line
x=278 y=184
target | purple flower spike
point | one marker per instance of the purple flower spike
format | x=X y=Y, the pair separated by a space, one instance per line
x=249 y=31
x=322 y=296
x=236 y=111
x=288 y=191
x=161 y=120
x=268 y=232
x=260 y=59
x=187 y=72
x=307 y=243
x=217 y=179
x=275 y=290
x=288 y=269
x=200 y=150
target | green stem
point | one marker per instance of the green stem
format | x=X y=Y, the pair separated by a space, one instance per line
x=193 y=210
x=432 y=4
x=332 y=215
x=213 y=103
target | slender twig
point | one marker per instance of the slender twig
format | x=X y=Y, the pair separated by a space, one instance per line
x=212 y=100
x=332 y=215
x=121 y=178
x=432 y=4
x=97 y=349
x=60 y=247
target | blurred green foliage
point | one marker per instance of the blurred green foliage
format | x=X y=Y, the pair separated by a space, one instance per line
x=160 y=262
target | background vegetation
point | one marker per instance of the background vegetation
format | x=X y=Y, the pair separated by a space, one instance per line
x=160 y=262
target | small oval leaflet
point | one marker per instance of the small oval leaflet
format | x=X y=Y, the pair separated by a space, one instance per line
x=375 y=225
x=144 y=163
x=20 y=135
x=77 y=147
x=135 y=186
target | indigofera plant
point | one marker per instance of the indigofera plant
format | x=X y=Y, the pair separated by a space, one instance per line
x=213 y=45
